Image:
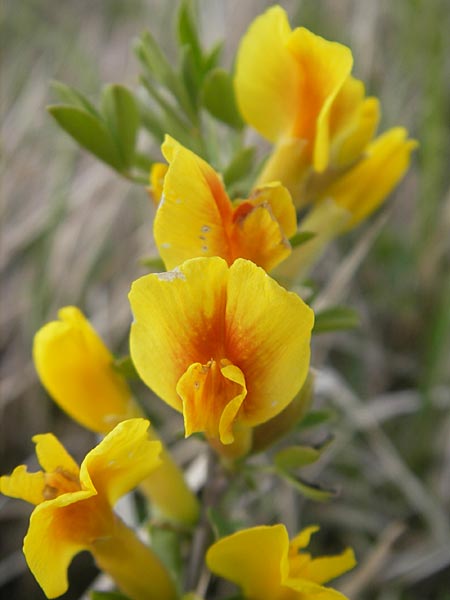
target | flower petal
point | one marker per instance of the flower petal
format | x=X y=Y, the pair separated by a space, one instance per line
x=193 y=218
x=24 y=485
x=75 y=367
x=121 y=460
x=364 y=187
x=178 y=321
x=59 y=529
x=324 y=66
x=254 y=559
x=323 y=569
x=268 y=337
x=212 y=395
x=312 y=591
x=157 y=173
x=52 y=455
x=267 y=82
x=302 y=539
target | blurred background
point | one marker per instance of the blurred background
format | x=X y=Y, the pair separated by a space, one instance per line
x=73 y=232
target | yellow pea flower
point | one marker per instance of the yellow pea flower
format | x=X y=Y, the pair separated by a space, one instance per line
x=226 y=346
x=197 y=218
x=263 y=562
x=302 y=97
x=76 y=368
x=73 y=512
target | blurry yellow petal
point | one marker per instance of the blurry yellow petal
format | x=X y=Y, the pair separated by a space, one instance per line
x=289 y=162
x=325 y=568
x=212 y=395
x=157 y=173
x=121 y=460
x=324 y=67
x=195 y=211
x=52 y=455
x=177 y=322
x=267 y=78
x=309 y=590
x=75 y=367
x=58 y=530
x=301 y=540
x=353 y=141
x=268 y=336
x=254 y=559
x=364 y=187
x=346 y=105
x=24 y=485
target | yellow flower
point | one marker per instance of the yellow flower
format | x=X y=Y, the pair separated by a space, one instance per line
x=74 y=512
x=76 y=368
x=301 y=96
x=226 y=346
x=196 y=217
x=263 y=562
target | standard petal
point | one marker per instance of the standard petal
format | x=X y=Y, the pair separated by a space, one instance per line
x=324 y=66
x=267 y=77
x=76 y=369
x=364 y=187
x=268 y=337
x=254 y=559
x=121 y=460
x=59 y=529
x=195 y=212
x=24 y=485
x=178 y=321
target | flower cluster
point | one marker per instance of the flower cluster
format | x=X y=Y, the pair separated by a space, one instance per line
x=215 y=336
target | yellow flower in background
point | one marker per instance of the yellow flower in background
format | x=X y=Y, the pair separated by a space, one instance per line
x=157 y=173
x=264 y=564
x=195 y=216
x=76 y=368
x=302 y=97
x=74 y=511
x=226 y=346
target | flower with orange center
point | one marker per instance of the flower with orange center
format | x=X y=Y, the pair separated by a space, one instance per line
x=226 y=346
x=195 y=216
x=74 y=512
x=77 y=370
x=264 y=564
x=302 y=97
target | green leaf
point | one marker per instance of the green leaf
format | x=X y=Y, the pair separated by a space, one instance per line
x=190 y=75
x=315 y=418
x=121 y=115
x=97 y=595
x=301 y=237
x=187 y=32
x=125 y=367
x=89 y=131
x=240 y=166
x=154 y=263
x=70 y=96
x=335 y=319
x=220 y=526
x=295 y=457
x=166 y=544
x=211 y=60
x=219 y=99
x=309 y=490
x=152 y=122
